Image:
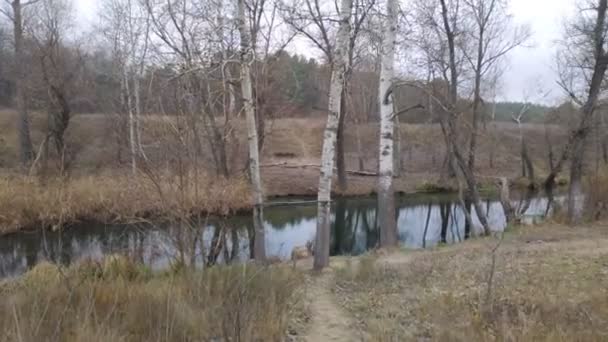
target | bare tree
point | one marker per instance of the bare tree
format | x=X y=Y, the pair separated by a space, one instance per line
x=184 y=33
x=321 y=257
x=15 y=14
x=386 y=194
x=494 y=37
x=582 y=71
x=59 y=65
x=449 y=126
x=247 y=57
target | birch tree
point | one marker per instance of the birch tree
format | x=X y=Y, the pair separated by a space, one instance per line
x=321 y=257
x=315 y=21
x=126 y=27
x=386 y=195
x=247 y=57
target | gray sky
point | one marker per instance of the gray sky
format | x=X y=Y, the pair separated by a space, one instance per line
x=536 y=65
x=528 y=67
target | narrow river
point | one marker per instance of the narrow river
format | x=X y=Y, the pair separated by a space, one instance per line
x=423 y=221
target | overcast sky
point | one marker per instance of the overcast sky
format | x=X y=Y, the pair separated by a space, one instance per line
x=527 y=66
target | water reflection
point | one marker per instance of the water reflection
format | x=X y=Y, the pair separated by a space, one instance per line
x=423 y=221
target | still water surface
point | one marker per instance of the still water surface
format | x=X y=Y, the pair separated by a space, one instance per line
x=423 y=221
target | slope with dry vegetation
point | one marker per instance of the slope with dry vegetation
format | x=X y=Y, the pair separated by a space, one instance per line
x=545 y=284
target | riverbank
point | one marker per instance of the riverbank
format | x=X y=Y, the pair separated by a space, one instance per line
x=543 y=283
x=536 y=283
x=33 y=203
x=30 y=203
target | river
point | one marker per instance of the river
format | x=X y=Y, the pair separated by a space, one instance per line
x=423 y=221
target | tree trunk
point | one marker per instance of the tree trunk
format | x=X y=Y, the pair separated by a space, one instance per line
x=23 y=124
x=398 y=162
x=505 y=201
x=386 y=194
x=527 y=162
x=359 y=147
x=575 y=190
x=605 y=148
x=138 y=112
x=132 y=137
x=476 y=101
x=321 y=255
x=259 y=249
x=341 y=154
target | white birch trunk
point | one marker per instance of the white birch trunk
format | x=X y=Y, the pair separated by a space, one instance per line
x=132 y=143
x=321 y=255
x=138 y=112
x=259 y=249
x=386 y=195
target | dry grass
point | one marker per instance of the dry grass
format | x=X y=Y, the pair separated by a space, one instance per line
x=549 y=285
x=596 y=192
x=120 y=302
x=25 y=202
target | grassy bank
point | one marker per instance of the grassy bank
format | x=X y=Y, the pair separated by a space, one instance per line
x=28 y=202
x=116 y=300
x=541 y=284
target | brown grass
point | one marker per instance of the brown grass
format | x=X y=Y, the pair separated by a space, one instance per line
x=26 y=202
x=238 y=303
x=596 y=192
x=549 y=285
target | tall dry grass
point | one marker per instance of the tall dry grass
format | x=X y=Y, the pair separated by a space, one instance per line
x=116 y=301
x=27 y=202
x=596 y=195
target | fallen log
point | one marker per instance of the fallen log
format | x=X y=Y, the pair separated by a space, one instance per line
x=302 y=166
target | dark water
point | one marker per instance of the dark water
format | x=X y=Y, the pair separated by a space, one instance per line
x=423 y=221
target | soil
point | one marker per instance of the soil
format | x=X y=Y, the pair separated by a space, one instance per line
x=329 y=321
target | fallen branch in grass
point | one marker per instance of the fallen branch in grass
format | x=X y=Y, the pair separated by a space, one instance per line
x=303 y=166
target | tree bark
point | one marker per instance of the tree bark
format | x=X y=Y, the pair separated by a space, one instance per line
x=528 y=166
x=23 y=124
x=505 y=201
x=386 y=194
x=476 y=103
x=259 y=249
x=132 y=136
x=321 y=257
x=575 y=190
x=341 y=154
x=359 y=147
x=138 y=113
x=398 y=162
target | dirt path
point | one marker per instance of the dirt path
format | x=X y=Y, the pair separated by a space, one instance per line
x=329 y=321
